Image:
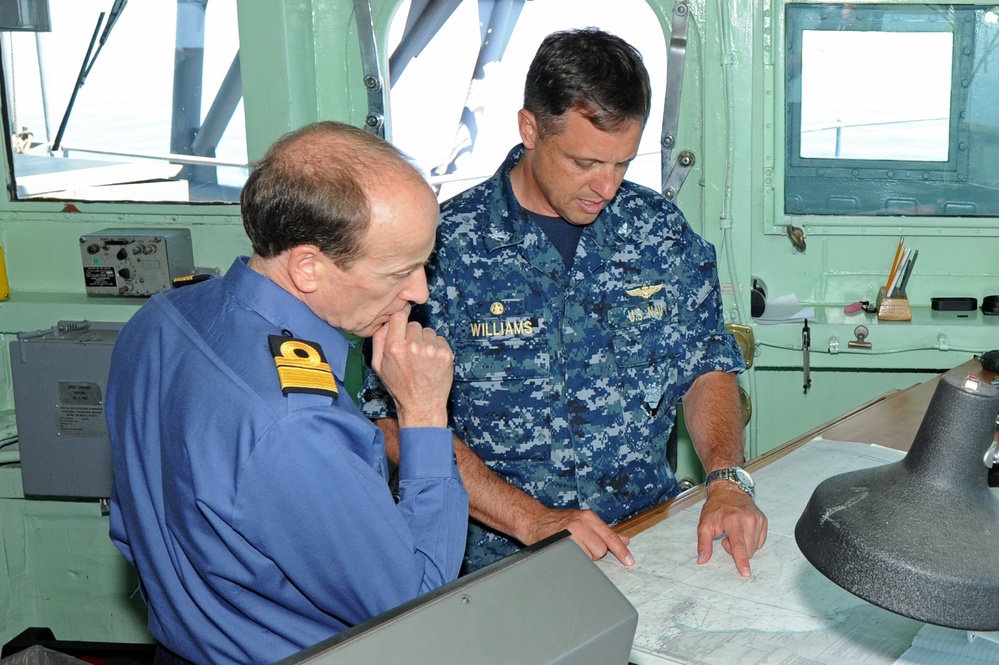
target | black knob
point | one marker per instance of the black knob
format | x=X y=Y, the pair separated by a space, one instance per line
x=124 y=273
x=93 y=248
x=122 y=254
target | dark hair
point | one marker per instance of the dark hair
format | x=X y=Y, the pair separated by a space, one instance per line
x=312 y=188
x=591 y=71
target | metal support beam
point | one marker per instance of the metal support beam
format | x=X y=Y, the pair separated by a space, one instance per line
x=673 y=175
x=374 y=83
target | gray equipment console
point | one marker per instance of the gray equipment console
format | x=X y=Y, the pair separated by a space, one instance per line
x=60 y=377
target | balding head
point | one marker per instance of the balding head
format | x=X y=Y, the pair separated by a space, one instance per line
x=315 y=187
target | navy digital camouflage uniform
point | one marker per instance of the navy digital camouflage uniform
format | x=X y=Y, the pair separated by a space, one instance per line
x=567 y=381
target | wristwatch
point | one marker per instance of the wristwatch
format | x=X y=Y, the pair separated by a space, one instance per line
x=737 y=475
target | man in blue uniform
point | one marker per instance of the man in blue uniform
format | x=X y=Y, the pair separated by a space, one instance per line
x=582 y=309
x=249 y=491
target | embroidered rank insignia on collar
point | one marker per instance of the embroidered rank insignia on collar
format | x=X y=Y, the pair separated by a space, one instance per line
x=646 y=291
x=302 y=367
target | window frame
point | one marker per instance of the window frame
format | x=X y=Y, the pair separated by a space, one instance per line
x=781 y=153
x=194 y=211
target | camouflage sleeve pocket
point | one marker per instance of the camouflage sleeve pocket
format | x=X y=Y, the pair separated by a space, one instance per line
x=501 y=395
x=645 y=334
x=501 y=398
x=498 y=340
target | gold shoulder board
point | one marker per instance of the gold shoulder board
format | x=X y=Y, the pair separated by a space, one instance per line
x=302 y=367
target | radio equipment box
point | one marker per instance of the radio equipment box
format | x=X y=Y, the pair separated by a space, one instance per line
x=135 y=262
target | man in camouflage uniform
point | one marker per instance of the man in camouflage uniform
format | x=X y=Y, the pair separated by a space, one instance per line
x=581 y=310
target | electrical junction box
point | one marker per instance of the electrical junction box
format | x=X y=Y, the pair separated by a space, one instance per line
x=60 y=377
x=135 y=262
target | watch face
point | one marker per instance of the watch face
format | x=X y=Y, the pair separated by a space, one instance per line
x=746 y=481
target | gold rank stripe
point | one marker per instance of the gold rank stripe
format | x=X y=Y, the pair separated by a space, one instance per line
x=318 y=378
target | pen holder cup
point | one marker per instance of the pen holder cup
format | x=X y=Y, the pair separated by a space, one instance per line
x=893 y=309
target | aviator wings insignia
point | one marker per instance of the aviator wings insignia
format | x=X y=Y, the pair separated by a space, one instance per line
x=646 y=291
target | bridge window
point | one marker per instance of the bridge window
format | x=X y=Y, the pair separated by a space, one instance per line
x=891 y=110
x=108 y=101
x=458 y=79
